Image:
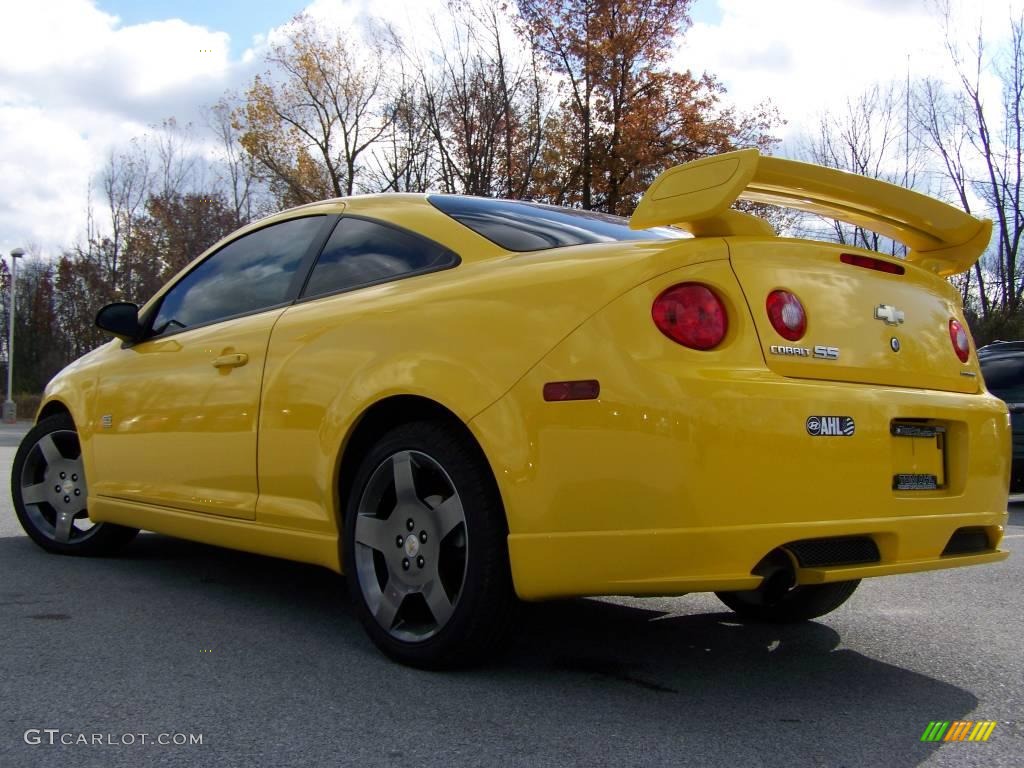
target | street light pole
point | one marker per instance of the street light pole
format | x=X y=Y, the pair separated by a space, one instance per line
x=10 y=409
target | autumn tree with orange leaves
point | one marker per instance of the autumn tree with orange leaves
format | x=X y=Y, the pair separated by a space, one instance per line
x=308 y=124
x=628 y=114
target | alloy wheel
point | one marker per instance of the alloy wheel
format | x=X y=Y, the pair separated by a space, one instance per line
x=53 y=488
x=411 y=546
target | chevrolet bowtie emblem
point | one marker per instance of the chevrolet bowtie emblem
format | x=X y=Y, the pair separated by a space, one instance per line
x=889 y=314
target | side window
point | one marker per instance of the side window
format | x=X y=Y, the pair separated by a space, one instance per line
x=361 y=252
x=246 y=275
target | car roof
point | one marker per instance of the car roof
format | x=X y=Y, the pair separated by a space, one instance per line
x=1000 y=349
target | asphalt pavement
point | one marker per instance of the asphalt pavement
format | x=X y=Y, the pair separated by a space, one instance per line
x=263 y=661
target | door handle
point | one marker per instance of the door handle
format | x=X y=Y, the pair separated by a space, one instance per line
x=231 y=361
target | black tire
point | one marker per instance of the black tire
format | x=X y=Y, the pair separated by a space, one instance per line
x=41 y=515
x=446 y=470
x=800 y=603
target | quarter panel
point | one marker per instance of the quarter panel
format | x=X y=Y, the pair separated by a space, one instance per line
x=461 y=338
x=681 y=439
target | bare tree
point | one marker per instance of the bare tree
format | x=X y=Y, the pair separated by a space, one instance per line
x=941 y=120
x=981 y=148
x=308 y=124
x=485 y=103
x=127 y=182
x=236 y=168
x=176 y=158
x=867 y=137
x=404 y=159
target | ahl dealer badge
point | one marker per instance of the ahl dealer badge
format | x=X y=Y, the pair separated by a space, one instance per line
x=830 y=426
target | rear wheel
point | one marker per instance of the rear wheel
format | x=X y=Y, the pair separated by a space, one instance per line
x=51 y=497
x=799 y=603
x=425 y=550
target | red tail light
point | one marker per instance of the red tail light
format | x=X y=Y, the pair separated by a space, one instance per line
x=961 y=344
x=786 y=314
x=692 y=315
x=868 y=262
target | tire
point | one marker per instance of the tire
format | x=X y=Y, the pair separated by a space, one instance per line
x=439 y=594
x=50 y=493
x=800 y=603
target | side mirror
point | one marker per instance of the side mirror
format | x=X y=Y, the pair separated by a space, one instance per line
x=120 y=319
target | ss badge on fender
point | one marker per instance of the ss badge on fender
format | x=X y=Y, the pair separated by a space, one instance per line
x=830 y=426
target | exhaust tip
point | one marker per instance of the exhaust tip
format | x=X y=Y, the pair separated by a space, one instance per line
x=777 y=573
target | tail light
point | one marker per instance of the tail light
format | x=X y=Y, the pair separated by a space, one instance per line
x=786 y=314
x=692 y=315
x=961 y=344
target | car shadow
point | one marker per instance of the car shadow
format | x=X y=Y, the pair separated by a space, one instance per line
x=649 y=670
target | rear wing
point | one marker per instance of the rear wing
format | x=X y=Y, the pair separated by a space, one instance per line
x=696 y=197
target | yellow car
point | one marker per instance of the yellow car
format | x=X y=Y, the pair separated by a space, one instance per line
x=459 y=402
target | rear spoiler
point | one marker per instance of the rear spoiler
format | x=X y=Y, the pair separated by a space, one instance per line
x=696 y=197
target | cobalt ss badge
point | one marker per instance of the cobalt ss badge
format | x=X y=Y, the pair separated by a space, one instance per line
x=820 y=351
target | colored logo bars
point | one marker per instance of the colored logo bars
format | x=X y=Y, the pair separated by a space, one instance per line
x=958 y=730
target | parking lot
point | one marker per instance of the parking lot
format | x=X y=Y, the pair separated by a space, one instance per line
x=265 y=660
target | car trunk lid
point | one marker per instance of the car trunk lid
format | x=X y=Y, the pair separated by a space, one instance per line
x=863 y=325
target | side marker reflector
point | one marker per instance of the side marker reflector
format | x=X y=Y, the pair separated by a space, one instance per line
x=557 y=391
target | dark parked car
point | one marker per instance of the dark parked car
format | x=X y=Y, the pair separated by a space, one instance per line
x=1002 y=365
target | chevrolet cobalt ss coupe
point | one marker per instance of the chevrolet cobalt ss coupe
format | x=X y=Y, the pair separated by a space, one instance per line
x=461 y=402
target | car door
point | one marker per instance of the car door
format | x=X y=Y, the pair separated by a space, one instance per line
x=319 y=345
x=178 y=411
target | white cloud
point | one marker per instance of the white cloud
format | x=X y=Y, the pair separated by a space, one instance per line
x=415 y=23
x=44 y=165
x=810 y=55
x=74 y=83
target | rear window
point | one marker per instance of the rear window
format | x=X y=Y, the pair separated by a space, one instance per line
x=521 y=226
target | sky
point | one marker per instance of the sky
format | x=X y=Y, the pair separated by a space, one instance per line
x=80 y=77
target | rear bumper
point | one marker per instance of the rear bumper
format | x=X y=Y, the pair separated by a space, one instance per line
x=672 y=562
x=693 y=466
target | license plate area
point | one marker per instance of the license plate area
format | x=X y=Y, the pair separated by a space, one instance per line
x=918 y=455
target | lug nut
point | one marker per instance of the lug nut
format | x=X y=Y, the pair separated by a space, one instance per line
x=410 y=524
x=74 y=478
x=405 y=564
x=63 y=476
x=67 y=499
x=78 y=491
x=423 y=536
x=399 y=541
x=57 y=488
x=420 y=561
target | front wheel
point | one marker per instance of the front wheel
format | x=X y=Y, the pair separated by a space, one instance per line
x=800 y=603
x=425 y=550
x=50 y=494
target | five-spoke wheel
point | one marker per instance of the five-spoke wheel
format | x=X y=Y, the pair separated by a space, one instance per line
x=411 y=545
x=425 y=547
x=50 y=493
